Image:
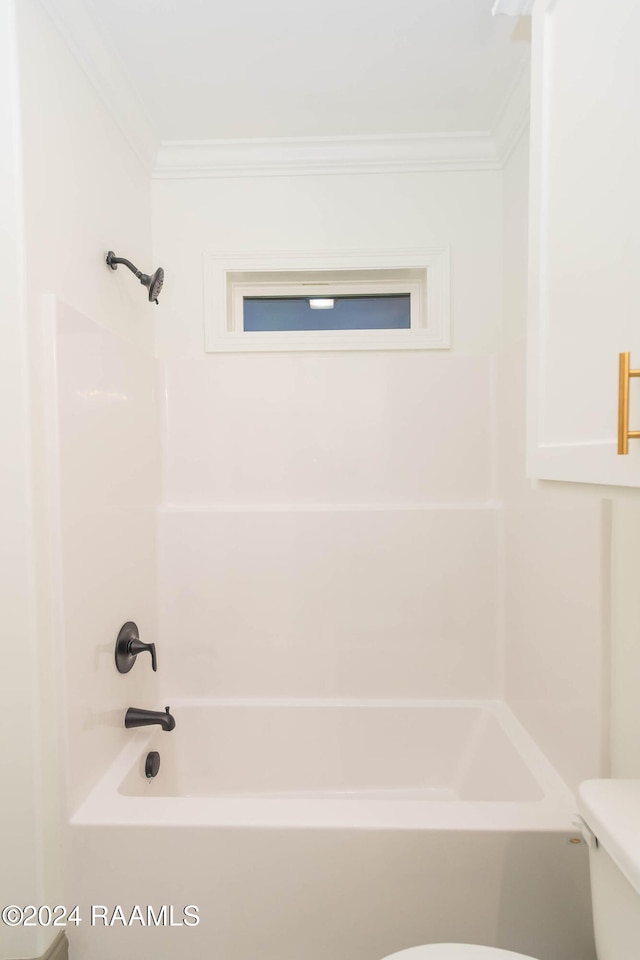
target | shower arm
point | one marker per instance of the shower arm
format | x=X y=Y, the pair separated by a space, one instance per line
x=113 y=262
x=153 y=282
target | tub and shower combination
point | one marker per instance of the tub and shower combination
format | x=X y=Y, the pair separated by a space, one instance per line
x=330 y=830
x=294 y=829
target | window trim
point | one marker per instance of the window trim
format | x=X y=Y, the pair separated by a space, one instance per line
x=224 y=289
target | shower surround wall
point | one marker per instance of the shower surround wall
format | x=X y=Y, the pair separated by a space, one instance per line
x=108 y=454
x=20 y=808
x=359 y=525
x=329 y=526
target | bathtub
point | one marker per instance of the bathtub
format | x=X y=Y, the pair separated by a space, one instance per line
x=401 y=765
x=332 y=830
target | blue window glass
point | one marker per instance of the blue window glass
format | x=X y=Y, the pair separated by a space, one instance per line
x=384 y=312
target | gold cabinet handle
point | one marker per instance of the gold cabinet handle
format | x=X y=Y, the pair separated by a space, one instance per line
x=624 y=434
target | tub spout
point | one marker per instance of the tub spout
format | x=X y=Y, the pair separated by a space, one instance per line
x=134 y=717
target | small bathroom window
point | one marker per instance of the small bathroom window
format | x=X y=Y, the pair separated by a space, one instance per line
x=342 y=301
x=391 y=311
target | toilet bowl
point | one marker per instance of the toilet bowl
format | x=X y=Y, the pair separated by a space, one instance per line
x=456 y=951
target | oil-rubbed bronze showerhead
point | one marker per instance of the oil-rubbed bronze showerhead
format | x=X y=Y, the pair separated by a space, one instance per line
x=153 y=282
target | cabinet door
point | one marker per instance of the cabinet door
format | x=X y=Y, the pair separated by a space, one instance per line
x=584 y=238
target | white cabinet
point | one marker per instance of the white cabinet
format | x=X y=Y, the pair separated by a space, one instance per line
x=584 y=238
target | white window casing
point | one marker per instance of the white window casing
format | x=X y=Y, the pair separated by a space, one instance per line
x=423 y=274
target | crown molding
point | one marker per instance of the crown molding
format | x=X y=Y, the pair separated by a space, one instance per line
x=305 y=156
x=480 y=150
x=326 y=155
x=106 y=75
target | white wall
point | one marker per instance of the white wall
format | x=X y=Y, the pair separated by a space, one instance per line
x=329 y=603
x=555 y=551
x=328 y=527
x=84 y=192
x=374 y=211
x=625 y=638
x=21 y=750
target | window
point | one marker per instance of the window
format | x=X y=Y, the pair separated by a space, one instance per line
x=330 y=301
x=380 y=311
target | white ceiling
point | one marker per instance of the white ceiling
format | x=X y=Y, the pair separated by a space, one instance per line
x=206 y=70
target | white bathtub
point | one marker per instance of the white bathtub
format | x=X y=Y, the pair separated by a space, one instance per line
x=324 y=830
x=422 y=764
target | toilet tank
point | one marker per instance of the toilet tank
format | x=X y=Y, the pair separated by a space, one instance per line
x=611 y=811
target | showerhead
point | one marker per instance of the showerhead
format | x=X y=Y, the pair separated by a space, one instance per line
x=153 y=282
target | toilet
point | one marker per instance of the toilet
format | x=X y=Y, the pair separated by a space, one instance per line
x=456 y=951
x=610 y=823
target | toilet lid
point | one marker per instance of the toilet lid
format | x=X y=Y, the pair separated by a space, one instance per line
x=456 y=951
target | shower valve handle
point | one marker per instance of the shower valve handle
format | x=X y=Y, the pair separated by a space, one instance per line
x=129 y=645
x=137 y=646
